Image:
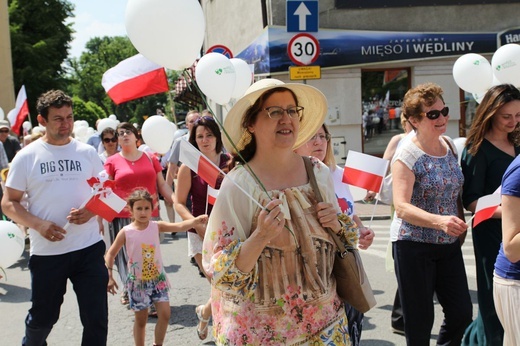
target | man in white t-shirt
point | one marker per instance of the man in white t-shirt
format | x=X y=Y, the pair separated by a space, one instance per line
x=53 y=171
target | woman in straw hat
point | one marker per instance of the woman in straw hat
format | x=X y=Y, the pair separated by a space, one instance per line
x=266 y=246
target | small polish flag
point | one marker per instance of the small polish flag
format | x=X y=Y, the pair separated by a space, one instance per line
x=199 y=163
x=364 y=171
x=133 y=78
x=212 y=195
x=486 y=206
x=108 y=207
x=21 y=110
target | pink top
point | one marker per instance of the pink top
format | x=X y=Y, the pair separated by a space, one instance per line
x=131 y=175
x=145 y=267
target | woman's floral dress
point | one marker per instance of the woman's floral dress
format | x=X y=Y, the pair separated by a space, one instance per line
x=290 y=296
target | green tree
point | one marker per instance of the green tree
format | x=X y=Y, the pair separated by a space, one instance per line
x=88 y=111
x=39 y=42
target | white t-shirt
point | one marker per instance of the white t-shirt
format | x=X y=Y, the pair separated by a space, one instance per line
x=55 y=179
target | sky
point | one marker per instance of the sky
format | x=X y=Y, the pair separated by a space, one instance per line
x=96 y=18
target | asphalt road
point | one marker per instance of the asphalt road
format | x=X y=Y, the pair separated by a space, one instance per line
x=190 y=290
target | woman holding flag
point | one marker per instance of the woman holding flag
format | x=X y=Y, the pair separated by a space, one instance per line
x=319 y=146
x=204 y=136
x=427 y=182
x=492 y=144
x=267 y=249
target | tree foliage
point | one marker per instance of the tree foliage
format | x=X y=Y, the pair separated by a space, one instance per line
x=88 y=111
x=39 y=42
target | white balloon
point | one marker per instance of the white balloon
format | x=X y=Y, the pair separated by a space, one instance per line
x=12 y=243
x=158 y=133
x=460 y=142
x=27 y=125
x=2 y=114
x=506 y=64
x=90 y=132
x=38 y=129
x=106 y=122
x=80 y=133
x=215 y=76
x=112 y=116
x=243 y=77
x=472 y=73
x=167 y=32
x=479 y=96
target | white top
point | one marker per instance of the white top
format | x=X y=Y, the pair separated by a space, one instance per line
x=55 y=179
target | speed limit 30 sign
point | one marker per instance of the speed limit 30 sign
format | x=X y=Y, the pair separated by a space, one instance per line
x=303 y=49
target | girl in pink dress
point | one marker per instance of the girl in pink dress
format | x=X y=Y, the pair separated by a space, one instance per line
x=146 y=282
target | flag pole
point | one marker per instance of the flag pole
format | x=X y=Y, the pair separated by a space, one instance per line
x=225 y=175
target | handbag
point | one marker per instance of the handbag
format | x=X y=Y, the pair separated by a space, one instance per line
x=352 y=283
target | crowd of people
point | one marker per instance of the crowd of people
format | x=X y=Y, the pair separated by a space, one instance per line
x=266 y=246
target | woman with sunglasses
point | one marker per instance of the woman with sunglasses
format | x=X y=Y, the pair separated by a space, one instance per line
x=205 y=136
x=320 y=147
x=132 y=169
x=492 y=144
x=427 y=182
x=109 y=141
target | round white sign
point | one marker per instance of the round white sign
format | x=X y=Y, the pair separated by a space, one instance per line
x=303 y=49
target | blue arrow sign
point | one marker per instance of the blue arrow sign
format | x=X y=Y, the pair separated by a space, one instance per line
x=302 y=16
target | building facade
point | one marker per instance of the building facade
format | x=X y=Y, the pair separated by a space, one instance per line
x=370 y=53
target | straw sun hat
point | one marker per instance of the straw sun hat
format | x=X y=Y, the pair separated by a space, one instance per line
x=313 y=101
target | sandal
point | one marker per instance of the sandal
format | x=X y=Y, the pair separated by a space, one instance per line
x=124 y=298
x=202 y=333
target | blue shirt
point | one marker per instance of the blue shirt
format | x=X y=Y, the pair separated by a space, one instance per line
x=510 y=187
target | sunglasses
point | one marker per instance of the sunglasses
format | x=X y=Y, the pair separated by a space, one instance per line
x=4 y=131
x=434 y=114
x=108 y=140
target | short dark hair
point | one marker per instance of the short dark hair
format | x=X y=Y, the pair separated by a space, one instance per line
x=108 y=130
x=52 y=98
x=128 y=126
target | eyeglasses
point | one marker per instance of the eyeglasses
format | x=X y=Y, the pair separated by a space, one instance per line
x=4 y=131
x=276 y=112
x=125 y=132
x=434 y=114
x=205 y=118
x=108 y=140
x=321 y=137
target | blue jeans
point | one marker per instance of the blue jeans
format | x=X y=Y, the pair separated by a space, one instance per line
x=86 y=270
x=424 y=269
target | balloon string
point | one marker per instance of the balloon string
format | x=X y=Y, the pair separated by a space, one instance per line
x=245 y=164
x=5 y=274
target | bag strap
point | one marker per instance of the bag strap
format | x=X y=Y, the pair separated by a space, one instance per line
x=342 y=249
x=454 y=152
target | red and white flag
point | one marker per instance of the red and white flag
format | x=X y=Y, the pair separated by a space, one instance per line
x=364 y=171
x=212 y=195
x=486 y=206
x=199 y=163
x=133 y=78
x=17 y=115
x=104 y=202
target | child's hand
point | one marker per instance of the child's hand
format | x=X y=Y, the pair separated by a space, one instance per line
x=112 y=286
x=200 y=220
